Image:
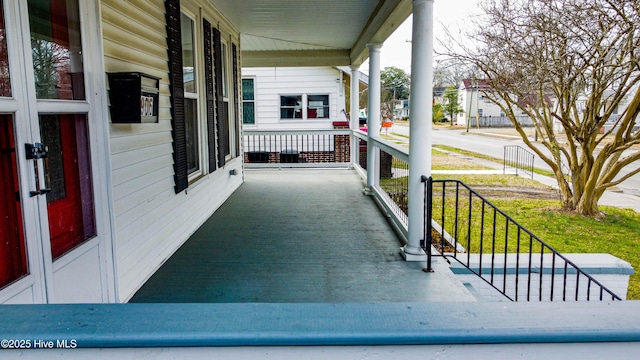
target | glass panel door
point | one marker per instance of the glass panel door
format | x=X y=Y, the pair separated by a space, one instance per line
x=47 y=206
x=56 y=49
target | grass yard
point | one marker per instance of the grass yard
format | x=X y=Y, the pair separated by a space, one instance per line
x=618 y=233
x=536 y=207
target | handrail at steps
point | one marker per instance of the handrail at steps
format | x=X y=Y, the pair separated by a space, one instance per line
x=487 y=231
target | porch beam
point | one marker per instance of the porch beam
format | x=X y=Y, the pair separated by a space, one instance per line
x=420 y=123
x=373 y=117
x=386 y=18
x=283 y=58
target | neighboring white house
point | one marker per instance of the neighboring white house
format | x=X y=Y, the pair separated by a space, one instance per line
x=294 y=98
x=473 y=103
x=401 y=109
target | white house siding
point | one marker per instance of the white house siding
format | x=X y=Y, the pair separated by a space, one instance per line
x=471 y=101
x=151 y=220
x=272 y=82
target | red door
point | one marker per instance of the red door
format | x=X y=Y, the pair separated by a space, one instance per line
x=13 y=257
x=68 y=176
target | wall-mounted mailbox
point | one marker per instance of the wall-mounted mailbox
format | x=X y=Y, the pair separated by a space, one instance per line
x=133 y=97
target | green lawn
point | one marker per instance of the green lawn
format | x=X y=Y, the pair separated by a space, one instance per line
x=617 y=233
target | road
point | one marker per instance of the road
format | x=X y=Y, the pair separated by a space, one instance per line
x=494 y=146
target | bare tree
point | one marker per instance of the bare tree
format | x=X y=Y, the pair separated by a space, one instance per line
x=449 y=72
x=571 y=66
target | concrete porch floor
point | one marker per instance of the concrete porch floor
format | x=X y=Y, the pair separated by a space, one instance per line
x=298 y=236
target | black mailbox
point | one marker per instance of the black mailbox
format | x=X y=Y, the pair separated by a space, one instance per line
x=133 y=97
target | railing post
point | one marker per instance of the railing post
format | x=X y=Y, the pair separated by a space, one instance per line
x=428 y=210
x=517 y=159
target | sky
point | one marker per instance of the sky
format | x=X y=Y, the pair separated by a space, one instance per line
x=396 y=51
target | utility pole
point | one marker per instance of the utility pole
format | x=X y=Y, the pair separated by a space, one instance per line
x=477 y=104
x=469 y=112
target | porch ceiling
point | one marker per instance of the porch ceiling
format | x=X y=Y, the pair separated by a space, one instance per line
x=311 y=32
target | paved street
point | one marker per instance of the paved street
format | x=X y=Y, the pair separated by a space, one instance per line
x=492 y=144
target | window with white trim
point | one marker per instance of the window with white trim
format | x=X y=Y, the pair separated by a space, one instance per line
x=189 y=77
x=248 y=101
x=318 y=106
x=228 y=117
x=303 y=106
x=291 y=106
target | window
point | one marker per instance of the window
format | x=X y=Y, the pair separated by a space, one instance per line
x=200 y=95
x=226 y=133
x=248 y=102
x=57 y=49
x=190 y=94
x=318 y=107
x=225 y=68
x=304 y=106
x=5 y=84
x=291 y=107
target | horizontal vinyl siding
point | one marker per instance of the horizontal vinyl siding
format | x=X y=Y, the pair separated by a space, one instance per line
x=152 y=221
x=270 y=83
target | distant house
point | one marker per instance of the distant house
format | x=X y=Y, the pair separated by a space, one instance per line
x=473 y=102
x=294 y=98
x=438 y=94
x=401 y=110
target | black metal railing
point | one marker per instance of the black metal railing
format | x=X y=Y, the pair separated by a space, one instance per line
x=462 y=225
x=297 y=147
x=518 y=159
x=394 y=180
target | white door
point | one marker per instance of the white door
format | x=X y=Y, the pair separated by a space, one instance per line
x=61 y=249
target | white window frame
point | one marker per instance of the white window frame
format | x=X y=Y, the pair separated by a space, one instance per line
x=306 y=113
x=227 y=91
x=198 y=97
x=242 y=100
x=304 y=107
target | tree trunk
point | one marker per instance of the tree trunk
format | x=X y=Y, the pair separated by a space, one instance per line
x=565 y=191
x=588 y=205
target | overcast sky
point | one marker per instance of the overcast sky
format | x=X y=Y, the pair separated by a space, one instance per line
x=396 y=51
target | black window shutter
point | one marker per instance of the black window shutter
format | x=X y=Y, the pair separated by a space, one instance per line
x=210 y=102
x=176 y=86
x=220 y=115
x=236 y=100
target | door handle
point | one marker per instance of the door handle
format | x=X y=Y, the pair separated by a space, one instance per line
x=39 y=192
x=37 y=152
x=39 y=179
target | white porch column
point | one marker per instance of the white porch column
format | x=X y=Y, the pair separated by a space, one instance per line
x=420 y=122
x=355 y=111
x=373 y=115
